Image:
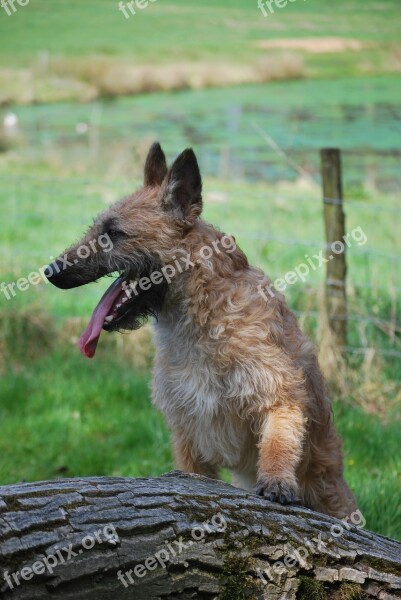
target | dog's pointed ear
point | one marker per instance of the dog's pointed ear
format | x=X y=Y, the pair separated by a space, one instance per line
x=155 y=166
x=181 y=193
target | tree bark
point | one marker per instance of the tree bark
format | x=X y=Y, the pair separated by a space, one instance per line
x=182 y=537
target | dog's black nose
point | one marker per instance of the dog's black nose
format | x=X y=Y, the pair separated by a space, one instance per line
x=55 y=273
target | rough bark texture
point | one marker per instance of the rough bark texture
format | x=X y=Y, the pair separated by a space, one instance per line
x=39 y=519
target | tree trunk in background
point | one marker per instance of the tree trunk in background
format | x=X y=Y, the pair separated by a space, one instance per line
x=183 y=537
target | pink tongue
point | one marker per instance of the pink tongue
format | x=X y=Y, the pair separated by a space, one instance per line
x=90 y=337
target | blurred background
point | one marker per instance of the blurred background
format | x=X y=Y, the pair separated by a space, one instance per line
x=84 y=90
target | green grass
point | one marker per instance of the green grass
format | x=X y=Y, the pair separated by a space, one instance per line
x=373 y=466
x=359 y=115
x=184 y=30
x=62 y=415
x=160 y=33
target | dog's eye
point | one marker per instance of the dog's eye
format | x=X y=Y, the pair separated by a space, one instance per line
x=114 y=233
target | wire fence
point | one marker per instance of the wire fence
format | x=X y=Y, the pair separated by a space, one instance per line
x=20 y=212
x=38 y=180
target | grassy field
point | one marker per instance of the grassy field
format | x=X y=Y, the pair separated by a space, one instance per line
x=61 y=415
x=158 y=33
x=70 y=50
x=227 y=126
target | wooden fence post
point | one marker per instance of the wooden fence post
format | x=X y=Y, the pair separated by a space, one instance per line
x=336 y=268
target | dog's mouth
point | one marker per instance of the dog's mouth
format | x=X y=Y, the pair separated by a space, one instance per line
x=122 y=307
x=105 y=313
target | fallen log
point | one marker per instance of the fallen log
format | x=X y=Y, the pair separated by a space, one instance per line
x=182 y=537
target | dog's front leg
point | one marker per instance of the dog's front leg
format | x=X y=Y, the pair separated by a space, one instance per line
x=187 y=458
x=280 y=451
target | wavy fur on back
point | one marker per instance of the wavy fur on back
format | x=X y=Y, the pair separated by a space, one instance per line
x=240 y=384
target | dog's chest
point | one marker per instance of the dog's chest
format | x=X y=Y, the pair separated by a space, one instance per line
x=194 y=397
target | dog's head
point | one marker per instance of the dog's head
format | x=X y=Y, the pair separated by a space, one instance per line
x=136 y=238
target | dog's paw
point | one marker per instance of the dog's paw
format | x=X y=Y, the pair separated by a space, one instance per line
x=276 y=490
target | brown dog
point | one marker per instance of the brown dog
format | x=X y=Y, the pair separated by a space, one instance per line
x=237 y=380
